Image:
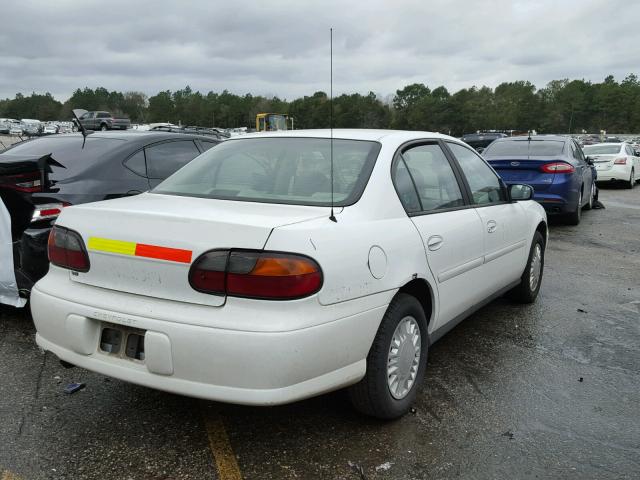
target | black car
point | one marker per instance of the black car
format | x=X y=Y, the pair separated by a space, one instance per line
x=480 y=141
x=39 y=177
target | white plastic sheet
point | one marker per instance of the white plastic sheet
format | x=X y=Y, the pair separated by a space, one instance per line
x=8 y=286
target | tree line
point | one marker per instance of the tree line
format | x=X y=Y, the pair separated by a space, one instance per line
x=562 y=106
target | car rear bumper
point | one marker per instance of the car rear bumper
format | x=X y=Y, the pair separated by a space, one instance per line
x=235 y=366
x=615 y=173
x=554 y=204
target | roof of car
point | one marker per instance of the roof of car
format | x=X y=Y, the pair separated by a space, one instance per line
x=350 y=134
x=555 y=138
x=612 y=144
x=137 y=135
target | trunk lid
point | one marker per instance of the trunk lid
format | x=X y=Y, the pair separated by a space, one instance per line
x=524 y=170
x=146 y=244
x=604 y=161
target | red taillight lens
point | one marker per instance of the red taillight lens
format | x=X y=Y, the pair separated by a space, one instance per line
x=66 y=249
x=47 y=211
x=557 y=167
x=256 y=274
x=24 y=182
x=620 y=161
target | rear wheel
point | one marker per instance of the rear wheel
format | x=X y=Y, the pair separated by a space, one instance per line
x=592 y=198
x=531 y=279
x=632 y=180
x=573 y=218
x=396 y=362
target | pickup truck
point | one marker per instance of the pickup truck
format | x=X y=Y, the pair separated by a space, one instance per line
x=104 y=121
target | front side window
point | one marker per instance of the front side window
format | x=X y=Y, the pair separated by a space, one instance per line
x=483 y=182
x=286 y=170
x=165 y=159
x=426 y=169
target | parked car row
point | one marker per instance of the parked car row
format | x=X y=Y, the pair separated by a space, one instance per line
x=336 y=258
x=33 y=128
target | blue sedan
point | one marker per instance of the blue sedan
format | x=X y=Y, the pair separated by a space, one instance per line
x=563 y=179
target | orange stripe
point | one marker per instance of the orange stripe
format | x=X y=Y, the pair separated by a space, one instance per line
x=163 y=253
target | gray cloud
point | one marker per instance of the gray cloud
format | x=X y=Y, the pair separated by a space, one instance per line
x=281 y=46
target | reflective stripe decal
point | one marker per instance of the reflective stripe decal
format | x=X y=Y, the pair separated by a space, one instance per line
x=139 y=250
x=163 y=253
x=112 y=246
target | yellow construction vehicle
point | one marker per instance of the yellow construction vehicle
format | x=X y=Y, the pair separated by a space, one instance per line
x=270 y=122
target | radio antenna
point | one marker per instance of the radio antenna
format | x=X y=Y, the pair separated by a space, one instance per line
x=332 y=217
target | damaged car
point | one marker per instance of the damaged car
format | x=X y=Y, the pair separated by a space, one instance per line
x=40 y=177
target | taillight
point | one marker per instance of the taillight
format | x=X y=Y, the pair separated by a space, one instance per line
x=256 y=274
x=47 y=211
x=620 y=161
x=557 y=167
x=23 y=182
x=66 y=249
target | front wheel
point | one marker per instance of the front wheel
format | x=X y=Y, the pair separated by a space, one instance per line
x=632 y=179
x=531 y=278
x=396 y=362
x=103 y=127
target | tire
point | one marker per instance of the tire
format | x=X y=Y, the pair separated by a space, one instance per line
x=573 y=218
x=527 y=291
x=632 y=180
x=103 y=127
x=592 y=197
x=373 y=394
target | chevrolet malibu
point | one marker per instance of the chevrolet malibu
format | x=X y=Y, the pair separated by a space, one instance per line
x=283 y=265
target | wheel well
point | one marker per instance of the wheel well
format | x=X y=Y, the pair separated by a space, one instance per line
x=420 y=289
x=542 y=228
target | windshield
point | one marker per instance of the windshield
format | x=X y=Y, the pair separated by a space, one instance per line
x=293 y=171
x=524 y=148
x=601 y=149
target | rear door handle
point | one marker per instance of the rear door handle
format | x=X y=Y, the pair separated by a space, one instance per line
x=434 y=242
x=491 y=226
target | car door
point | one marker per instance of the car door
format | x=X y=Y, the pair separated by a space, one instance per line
x=164 y=159
x=503 y=223
x=433 y=196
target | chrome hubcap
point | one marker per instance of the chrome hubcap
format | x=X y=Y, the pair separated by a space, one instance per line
x=404 y=358
x=536 y=267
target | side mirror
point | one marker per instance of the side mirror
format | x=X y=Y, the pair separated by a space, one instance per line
x=589 y=160
x=520 y=192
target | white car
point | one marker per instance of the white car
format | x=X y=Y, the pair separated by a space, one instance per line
x=615 y=162
x=16 y=128
x=50 y=129
x=235 y=279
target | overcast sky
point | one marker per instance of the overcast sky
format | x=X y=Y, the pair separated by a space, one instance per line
x=281 y=47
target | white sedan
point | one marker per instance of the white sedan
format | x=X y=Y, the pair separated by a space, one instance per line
x=235 y=279
x=615 y=162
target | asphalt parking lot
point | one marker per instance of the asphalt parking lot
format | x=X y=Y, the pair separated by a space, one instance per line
x=550 y=390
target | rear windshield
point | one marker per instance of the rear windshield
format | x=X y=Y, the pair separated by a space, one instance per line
x=65 y=148
x=278 y=170
x=523 y=148
x=601 y=149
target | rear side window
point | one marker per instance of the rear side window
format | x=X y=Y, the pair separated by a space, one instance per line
x=207 y=145
x=427 y=170
x=483 y=182
x=136 y=163
x=165 y=159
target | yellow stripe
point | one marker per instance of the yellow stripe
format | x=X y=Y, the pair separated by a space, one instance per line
x=112 y=246
x=226 y=462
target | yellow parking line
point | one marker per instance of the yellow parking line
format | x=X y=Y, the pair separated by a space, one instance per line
x=223 y=455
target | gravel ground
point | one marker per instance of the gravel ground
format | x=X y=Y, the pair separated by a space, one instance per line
x=550 y=390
